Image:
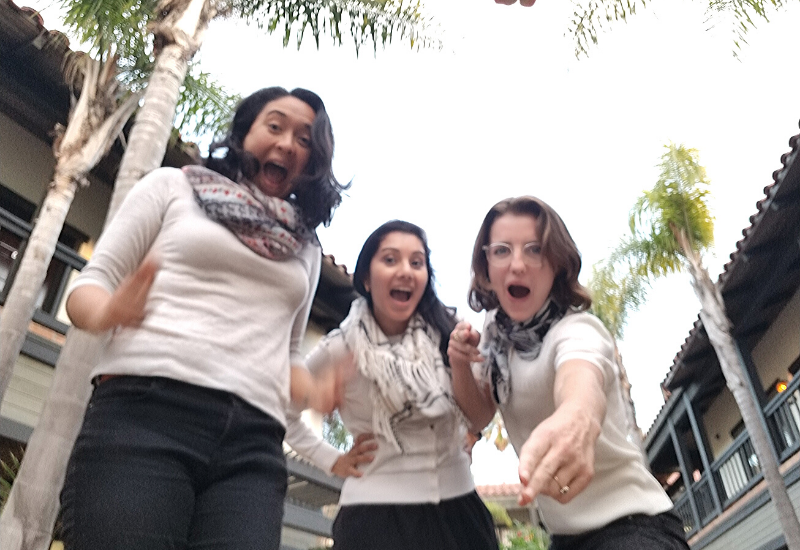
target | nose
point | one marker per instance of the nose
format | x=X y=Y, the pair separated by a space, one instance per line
x=405 y=268
x=517 y=261
x=285 y=141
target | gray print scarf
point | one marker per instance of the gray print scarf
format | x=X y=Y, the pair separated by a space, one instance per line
x=269 y=226
x=502 y=334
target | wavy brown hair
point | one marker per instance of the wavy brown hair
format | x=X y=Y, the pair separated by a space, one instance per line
x=557 y=247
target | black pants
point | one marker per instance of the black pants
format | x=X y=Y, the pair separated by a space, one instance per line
x=461 y=523
x=161 y=464
x=636 y=532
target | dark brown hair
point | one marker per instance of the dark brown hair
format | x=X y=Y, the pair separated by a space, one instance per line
x=557 y=247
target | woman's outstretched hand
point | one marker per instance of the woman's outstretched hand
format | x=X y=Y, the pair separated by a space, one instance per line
x=363 y=452
x=557 y=460
x=93 y=309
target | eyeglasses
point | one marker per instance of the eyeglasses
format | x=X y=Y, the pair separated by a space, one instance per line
x=500 y=254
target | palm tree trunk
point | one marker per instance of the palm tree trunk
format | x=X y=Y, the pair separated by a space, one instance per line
x=150 y=134
x=718 y=327
x=32 y=507
x=21 y=301
x=91 y=131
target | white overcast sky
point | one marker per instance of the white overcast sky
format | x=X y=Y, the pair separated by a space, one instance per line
x=504 y=109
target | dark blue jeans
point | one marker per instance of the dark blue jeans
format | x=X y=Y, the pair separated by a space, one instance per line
x=162 y=464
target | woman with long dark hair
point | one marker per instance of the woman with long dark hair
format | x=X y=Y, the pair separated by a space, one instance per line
x=416 y=491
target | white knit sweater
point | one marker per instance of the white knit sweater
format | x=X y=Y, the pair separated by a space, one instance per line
x=218 y=314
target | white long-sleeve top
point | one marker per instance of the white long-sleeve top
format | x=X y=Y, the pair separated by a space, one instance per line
x=622 y=484
x=434 y=466
x=218 y=315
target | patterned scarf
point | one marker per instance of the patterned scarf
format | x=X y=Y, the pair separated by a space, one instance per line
x=502 y=333
x=268 y=226
x=406 y=376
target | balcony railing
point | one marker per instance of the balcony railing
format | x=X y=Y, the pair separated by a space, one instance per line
x=66 y=263
x=737 y=471
x=783 y=417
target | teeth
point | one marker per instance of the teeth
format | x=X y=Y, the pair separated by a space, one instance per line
x=402 y=295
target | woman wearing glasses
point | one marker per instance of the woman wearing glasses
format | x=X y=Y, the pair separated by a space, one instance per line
x=550 y=367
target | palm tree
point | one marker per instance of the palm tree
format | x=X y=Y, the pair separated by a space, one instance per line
x=108 y=89
x=671 y=226
x=590 y=17
x=95 y=120
x=178 y=27
x=613 y=296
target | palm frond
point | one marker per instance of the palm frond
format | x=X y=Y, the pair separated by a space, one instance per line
x=101 y=23
x=375 y=21
x=591 y=17
x=742 y=16
x=205 y=106
x=8 y=472
x=615 y=293
x=678 y=201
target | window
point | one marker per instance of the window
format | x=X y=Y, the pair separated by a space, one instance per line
x=16 y=215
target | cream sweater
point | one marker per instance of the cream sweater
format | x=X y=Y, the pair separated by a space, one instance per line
x=434 y=467
x=218 y=314
x=622 y=484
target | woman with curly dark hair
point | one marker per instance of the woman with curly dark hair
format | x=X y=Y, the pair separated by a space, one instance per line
x=204 y=281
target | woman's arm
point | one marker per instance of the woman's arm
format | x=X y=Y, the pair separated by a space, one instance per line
x=558 y=458
x=474 y=400
x=92 y=308
x=323 y=455
x=112 y=288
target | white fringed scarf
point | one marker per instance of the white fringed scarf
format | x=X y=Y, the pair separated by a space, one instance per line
x=407 y=375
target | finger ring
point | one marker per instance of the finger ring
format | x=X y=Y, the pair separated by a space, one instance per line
x=563 y=489
x=457 y=336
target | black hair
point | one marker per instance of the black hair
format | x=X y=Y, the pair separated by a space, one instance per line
x=317 y=192
x=432 y=310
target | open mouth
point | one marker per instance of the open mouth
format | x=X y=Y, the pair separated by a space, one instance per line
x=518 y=291
x=274 y=172
x=400 y=295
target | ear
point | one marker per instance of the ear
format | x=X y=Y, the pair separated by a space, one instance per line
x=366 y=285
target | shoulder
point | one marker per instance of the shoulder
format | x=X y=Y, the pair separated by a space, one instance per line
x=581 y=324
x=164 y=175
x=581 y=334
x=162 y=181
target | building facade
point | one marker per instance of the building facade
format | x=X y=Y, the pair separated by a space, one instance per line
x=698 y=446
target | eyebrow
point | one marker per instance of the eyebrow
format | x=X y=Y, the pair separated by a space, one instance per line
x=393 y=249
x=284 y=115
